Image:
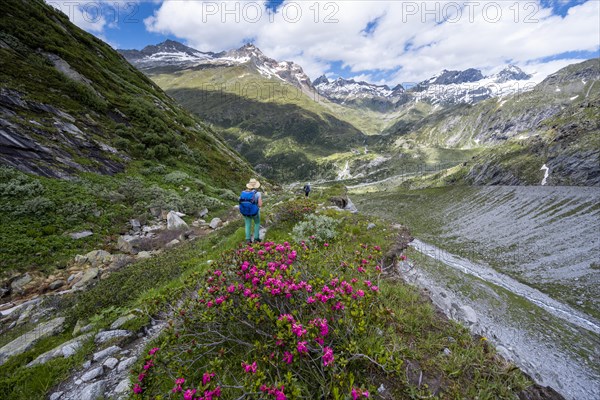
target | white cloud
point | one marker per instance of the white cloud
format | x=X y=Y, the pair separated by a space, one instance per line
x=410 y=37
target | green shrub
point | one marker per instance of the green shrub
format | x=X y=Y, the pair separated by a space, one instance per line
x=228 y=195
x=19 y=185
x=294 y=210
x=315 y=228
x=38 y=206
x=176 y=177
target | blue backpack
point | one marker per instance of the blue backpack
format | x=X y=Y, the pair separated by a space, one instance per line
x=248 y=206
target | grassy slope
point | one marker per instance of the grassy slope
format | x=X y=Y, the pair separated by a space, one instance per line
x=413 y=337
x=274 y=124
x=118 y=106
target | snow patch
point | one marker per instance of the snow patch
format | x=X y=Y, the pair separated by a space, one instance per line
x=546 y=173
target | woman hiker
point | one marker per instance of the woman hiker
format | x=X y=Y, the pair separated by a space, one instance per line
x=250 y=204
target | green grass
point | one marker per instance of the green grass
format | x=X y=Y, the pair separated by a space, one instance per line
x=415 y=334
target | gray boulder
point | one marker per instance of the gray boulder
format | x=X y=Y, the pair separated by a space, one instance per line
x=175 y=222
x=350 y=206
x=93 y=374
x=119 y=261
x=128 y=362
x=18 y=283
x=26 y=341
x=135 y=224
x=89 y=275
x=203 y=213
x=128 y=243
x=105 y=336
x=102 y=354
x=172 y=243
x=215 y=223
x=119 y=322
x=65 y=350
x=56 y=284
x=123 y=386
x=92 y=392
x=110 y=363
x=80 y=235
x=99 y=257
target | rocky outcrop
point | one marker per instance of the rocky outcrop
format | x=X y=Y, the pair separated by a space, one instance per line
x=65 y=350
x=28 y=340
x=22 y=148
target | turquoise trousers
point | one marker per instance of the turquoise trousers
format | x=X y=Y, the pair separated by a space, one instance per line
x=248 y=221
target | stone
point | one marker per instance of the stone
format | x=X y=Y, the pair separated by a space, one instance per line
x=143 y=254
x=175 y=222
x=125 y=364
x=56 y=284
x=179 y=214
x=155 y=211
x=371 y=226
x=119 y=322
x=120 y=261
x=92 y=374
x=447 y=351
x=87 y=364
x=93 y=391
x=105 y=336
x=203 y=213
x=127 y=244
x=123 y=386
x=89 y=275
x=215 y=223
x=80 y=235
x=28 y=340
x=102 y=354
x=172 y=243
x=135 y=224
x=350 y=206
x=78 y=382
x=56 y=395
x=262 y=232
x=65 y=350
x=99 y=257
x=464 y=313
x=73 y=277
x=110 y=362
x=17 y=284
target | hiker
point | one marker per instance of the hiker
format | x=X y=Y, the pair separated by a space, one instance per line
x=250 y=204
x=306 y=189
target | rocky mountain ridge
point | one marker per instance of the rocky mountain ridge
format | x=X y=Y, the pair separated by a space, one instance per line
x=178 y=56
x=448 y=87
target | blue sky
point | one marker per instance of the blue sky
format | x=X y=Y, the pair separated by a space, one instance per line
x=378 y=41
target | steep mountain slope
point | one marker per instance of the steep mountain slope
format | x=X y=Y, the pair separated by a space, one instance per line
x=73 y=108
x=67 y=95
x=270 y=111
x=556 y=123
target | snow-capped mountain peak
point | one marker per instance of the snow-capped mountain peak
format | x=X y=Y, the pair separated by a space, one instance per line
x=178 y=56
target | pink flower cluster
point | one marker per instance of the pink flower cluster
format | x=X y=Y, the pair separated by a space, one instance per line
x=358 y=393
x=137 y=388
x=274 y=391
x=191 y=392
x=250 y=368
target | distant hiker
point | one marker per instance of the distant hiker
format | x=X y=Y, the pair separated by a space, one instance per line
x=250 y=204
x=306 y=189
